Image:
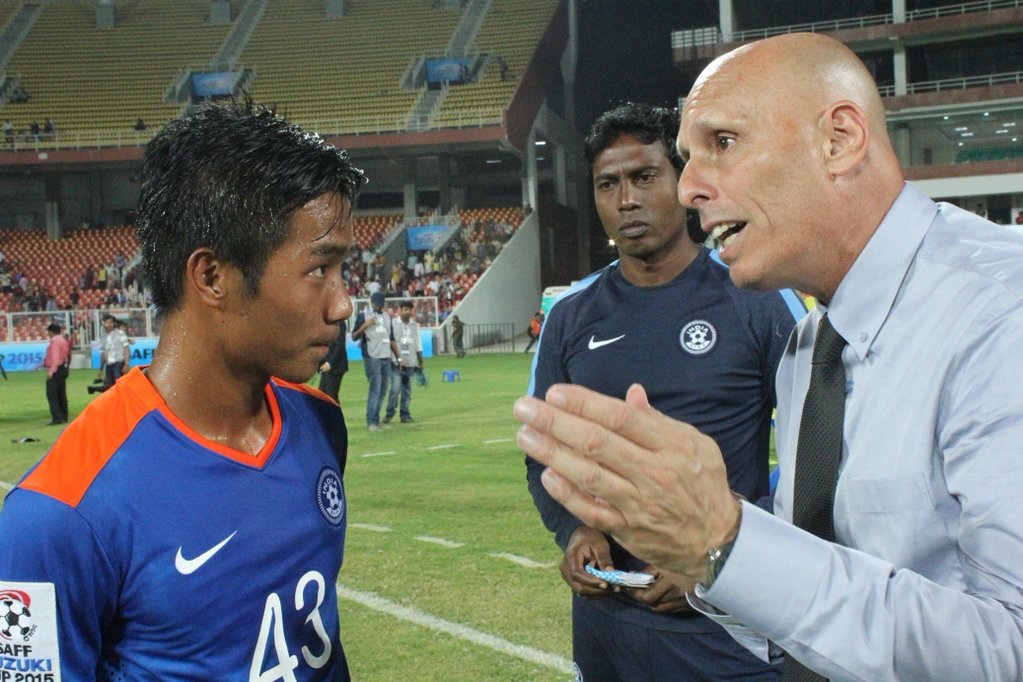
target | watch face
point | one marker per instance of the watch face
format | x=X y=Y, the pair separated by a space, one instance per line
x=716 y=557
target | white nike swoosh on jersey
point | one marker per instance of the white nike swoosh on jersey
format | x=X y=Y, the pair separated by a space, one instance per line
x=189 y=566
x=594 y=344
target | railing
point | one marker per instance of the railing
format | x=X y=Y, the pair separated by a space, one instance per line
x=84 y=326
x=686 y=39
x=498 y=337
x=59 y=140
x=956 y=83
x=349 y=125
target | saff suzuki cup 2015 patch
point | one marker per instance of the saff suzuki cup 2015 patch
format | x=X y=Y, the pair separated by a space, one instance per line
x=28 y=632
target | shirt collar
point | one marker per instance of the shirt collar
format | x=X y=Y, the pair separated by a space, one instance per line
x=867 y=293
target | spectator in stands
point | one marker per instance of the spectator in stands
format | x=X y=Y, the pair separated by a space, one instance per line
x=502 y=67
x=49 y=132
x=19 y=95
x=395 y=276
x=33 y=130
x=102 y=277
x=368 y=260
x=56 y=362
x=120 y=262
x=373 y=286
x=88 y=278
x=8 y=131
x=140 y=124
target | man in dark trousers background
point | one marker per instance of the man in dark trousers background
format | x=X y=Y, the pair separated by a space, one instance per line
x=335 y=364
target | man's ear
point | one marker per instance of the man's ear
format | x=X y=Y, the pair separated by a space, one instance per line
x=206 y=277
x=847 y=135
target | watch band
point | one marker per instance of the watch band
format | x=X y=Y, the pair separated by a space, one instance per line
x=717 y=556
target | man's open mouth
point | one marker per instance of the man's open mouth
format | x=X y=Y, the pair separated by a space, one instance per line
x=726 y=232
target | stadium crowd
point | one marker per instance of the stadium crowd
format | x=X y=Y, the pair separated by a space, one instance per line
x=110 y=283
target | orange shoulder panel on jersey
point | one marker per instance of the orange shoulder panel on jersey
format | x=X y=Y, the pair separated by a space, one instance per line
x=304 y=388
x=88 y=443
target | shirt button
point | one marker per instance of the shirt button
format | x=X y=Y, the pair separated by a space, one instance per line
x=864 y=336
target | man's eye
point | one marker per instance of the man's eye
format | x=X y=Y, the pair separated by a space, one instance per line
x=319 y=272
x=724 y=142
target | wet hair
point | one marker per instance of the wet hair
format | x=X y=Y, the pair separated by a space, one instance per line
x=645 y=122
x=53 y=328
x=229 y=177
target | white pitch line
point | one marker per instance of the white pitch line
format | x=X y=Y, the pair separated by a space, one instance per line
x=379 y=454
x=6 y=486
x=522 y=561
x=499 y=440
x=426 y=620
x=439 y=541
x=370 y=526
x=443 y=447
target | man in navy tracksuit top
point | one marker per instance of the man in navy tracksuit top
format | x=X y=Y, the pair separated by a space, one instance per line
x=667 y=316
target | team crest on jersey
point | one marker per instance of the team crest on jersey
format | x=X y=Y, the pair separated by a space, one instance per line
x=330 y=496
x=698 y=337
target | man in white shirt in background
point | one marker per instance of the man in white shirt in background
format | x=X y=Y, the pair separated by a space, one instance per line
x=407 y=345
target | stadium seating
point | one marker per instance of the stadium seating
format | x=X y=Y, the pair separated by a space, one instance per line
x=58 y=265
x=332 y=75
x=369 y=228
x=90 y=80
x=511 y=31
x=344 y=74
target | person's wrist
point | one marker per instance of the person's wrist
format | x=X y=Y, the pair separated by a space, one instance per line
x=717 y=555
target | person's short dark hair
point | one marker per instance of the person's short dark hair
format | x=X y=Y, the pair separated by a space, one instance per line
x=377 y=299
x=229 y=177
x=108 y=316
x=406 y=304
x=53 y=328
x=645 y=122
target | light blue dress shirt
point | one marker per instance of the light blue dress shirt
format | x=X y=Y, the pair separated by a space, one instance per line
x=925 y=581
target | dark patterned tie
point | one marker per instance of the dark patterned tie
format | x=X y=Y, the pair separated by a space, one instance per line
x=819 y=452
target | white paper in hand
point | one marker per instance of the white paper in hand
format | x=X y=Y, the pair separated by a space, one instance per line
x=626 y=578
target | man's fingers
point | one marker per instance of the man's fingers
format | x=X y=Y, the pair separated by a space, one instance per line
x=605 y=440
x=590 y=510
x=636 y=396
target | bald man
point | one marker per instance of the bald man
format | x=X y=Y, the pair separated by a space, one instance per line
x=791 y=170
